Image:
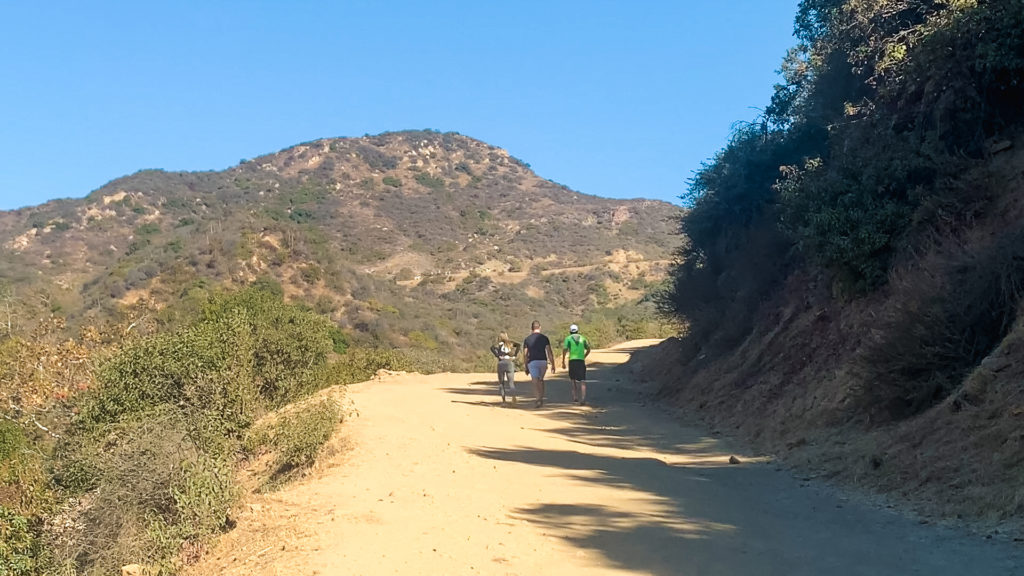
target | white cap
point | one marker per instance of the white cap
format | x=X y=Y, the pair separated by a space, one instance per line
x=573 y=328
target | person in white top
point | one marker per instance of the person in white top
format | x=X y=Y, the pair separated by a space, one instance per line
x=506 y=351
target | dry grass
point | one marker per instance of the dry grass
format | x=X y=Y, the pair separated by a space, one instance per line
x=945 y=314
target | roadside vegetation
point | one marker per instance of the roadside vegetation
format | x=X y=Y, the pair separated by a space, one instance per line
x=874 y=151
x=853 y=256
x=136 y=459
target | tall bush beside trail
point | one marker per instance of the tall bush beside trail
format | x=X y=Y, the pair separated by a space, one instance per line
x=913 y=119
x=288 y=342
x=734 y=254
x=150 y=488
x=299 y=437
x=206 y=370
x=360 y=364
x=850 y=218
x=874 y=127
x=24 y=499
x=24 y=485
x=156 y=440
x=248 y=352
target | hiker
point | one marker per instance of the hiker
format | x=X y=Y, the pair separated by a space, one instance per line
x=578 y=348
x=538 y=355
x=506 y=352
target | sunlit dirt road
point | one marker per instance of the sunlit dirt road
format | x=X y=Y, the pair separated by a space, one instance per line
x=437 y=477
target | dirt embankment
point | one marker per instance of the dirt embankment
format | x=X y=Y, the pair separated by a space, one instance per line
x=788 y=390
x=912 y=392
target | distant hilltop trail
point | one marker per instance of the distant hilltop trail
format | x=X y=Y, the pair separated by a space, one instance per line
x=366 y=230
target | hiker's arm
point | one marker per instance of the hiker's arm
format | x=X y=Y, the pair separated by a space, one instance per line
x=586 y=344
x=551 y=357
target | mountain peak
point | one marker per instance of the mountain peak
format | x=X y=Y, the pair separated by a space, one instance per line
x=360 y=227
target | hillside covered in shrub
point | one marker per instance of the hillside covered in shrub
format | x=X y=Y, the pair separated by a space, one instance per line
x=414 y=239
x=175 y=339
x=854 y=259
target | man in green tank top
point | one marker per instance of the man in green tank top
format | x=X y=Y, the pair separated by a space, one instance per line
x=577 y=348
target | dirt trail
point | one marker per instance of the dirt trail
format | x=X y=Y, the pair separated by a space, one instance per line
x=438 y=478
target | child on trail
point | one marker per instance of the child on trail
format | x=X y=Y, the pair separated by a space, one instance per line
x=506 y=351
x=578 y=348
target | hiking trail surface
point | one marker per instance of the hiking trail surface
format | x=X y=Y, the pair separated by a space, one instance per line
x=437 y=477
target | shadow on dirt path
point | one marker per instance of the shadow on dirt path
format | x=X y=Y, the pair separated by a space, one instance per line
x=440 y=478
x=707 y=516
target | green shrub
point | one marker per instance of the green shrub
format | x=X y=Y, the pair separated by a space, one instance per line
x=137 y=245
x=311 y=273
x=12 y=440
x=288 y=343
x=422 y=340
x=391 y=181
x=339 y=340
x=361 y=364
x=203 y=491
x=429 y=181
x=20 y=546
x=147 y=229
x=268 y=284
x=206 y=369
x=24 y=479
x=301 y=215
x=298 y=437
x=155 y=441
x=148 y=481
x=851 y=217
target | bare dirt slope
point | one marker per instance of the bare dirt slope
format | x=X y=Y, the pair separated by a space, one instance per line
x=438 y=478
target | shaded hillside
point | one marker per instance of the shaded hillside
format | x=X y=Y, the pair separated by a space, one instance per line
x=855 y=259
x=433 y=236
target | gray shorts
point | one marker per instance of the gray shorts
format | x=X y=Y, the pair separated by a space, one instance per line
x=537 y=368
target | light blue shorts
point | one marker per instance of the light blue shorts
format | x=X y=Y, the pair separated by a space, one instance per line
x=537 y=368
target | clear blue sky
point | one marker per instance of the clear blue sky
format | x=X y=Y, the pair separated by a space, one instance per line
x=619 y=99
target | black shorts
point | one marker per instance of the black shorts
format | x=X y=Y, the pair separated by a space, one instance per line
x=577 y=370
